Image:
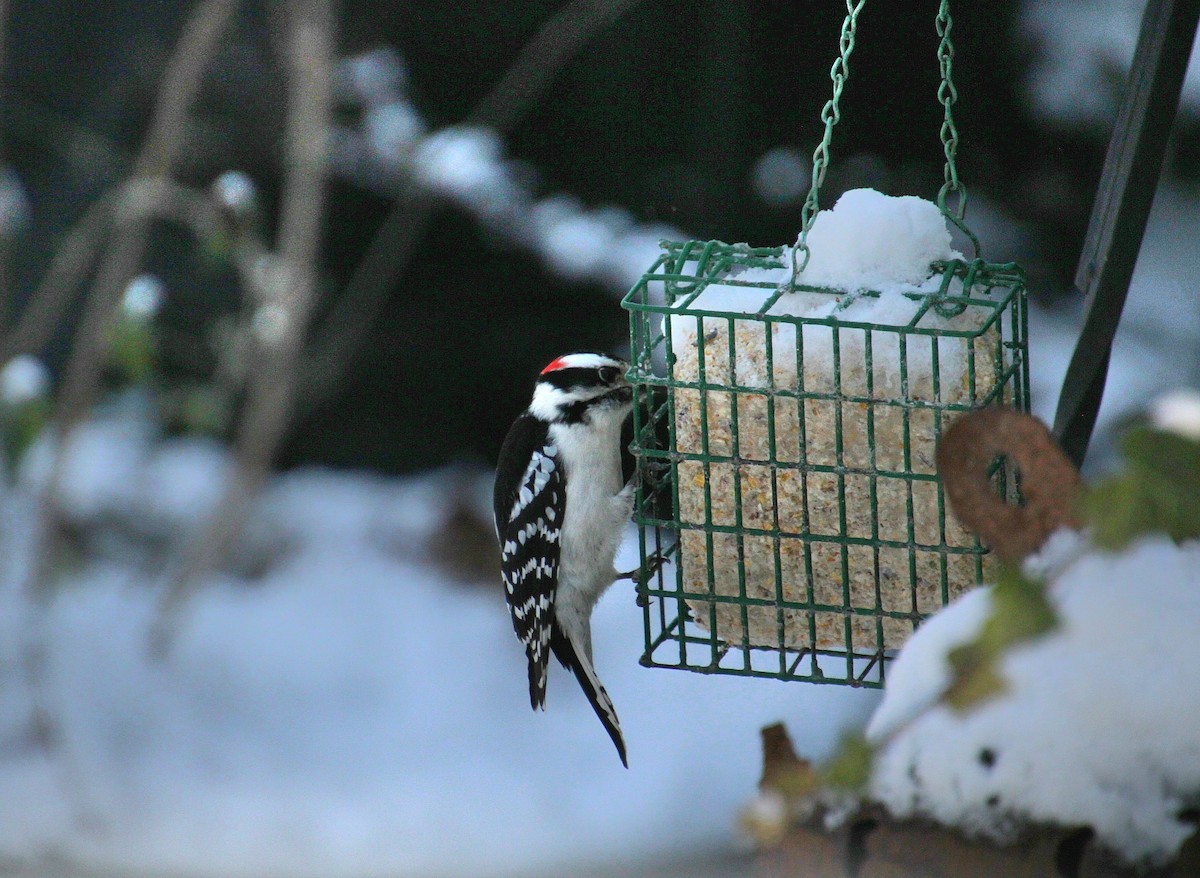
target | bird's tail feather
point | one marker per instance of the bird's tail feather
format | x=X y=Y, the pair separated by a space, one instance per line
x=565 y=650
x=537 y=681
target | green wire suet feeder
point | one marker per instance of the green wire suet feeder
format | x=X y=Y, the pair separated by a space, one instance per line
x=787 y=460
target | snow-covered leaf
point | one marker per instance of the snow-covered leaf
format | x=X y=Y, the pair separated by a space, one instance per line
x=1020 y=612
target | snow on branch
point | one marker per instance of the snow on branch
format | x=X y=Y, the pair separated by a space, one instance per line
x=466 y=166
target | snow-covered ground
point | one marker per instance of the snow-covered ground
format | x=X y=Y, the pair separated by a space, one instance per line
x=354 y=711
x=357 y=710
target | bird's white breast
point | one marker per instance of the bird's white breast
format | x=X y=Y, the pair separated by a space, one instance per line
x=596 y=512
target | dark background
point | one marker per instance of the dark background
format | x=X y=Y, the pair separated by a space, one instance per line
x=664 y=114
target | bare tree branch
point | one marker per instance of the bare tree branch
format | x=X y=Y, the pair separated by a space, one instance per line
x=562 y=37
x=5 y=234
x=558 y=41
x=162 y=199
x=181 y=83
x=288 y=297
x=362 y=301
x=59 y=285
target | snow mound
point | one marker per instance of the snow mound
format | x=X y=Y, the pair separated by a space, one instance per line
x=355 y=709
x=866 y=241
x=1101 y=724
x=869 y=240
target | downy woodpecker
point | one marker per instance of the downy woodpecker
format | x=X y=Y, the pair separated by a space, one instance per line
x=562 y=501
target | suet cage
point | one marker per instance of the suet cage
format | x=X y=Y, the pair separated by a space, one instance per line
x=787 y=462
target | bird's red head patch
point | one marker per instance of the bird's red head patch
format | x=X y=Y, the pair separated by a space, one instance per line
x=555 y=365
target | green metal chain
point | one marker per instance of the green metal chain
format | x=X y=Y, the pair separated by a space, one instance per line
x=947 y=95
x=830 y=116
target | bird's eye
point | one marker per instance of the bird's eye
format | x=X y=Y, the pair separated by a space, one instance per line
x=609 y=374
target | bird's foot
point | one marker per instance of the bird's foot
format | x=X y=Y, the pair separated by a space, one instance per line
x=651 y=567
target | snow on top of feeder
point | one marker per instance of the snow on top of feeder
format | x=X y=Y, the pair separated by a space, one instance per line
x=1100 y=725
x=869 y=240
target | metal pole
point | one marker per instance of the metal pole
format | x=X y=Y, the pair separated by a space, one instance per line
x=1123 y=200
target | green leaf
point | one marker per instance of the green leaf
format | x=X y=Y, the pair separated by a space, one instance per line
x=205 y=410
x=131 y=348
x=1020 y=612
x=20 y=425
x=798 y=781
x=1159 y=491
x=1168 y=454
x=850 y=766
x=217 y=248
x=975 y=678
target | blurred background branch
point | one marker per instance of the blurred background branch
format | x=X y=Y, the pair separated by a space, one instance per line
x=283 y=304
x=134 y=198
x=560 y=39
x=5 y=232
x=340 y=336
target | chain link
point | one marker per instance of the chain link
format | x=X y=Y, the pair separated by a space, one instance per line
x=948 y=95
x=830 y=115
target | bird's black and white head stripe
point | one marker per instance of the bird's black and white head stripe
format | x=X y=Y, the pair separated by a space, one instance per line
x=575 y=385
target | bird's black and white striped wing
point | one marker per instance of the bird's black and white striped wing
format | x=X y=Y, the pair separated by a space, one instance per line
x=529 y=507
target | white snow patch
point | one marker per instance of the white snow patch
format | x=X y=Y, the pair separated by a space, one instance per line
x=1100 y=727
x=15 y=210
x=375 y=77
x=575 y=242
x=919 y=676
x=183 y=479
x=101 y=468
x=463 y=164
x=23 y=379
x=392 y=129
x=235 y=191
x=1084 y=50
x=781 y=176
x=351 y=711
x=1178 y=411
x=143 y=298
x=869 y=240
